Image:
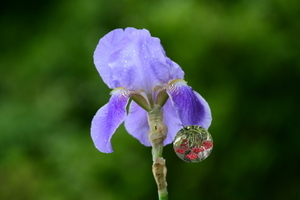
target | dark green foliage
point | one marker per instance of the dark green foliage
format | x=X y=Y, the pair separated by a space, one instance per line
x=242 y=56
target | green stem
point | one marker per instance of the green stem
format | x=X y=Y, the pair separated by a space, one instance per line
x=157 y=134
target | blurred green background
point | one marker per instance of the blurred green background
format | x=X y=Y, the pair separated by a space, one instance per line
x=242 y=56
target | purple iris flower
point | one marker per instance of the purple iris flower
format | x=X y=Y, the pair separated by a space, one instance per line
x=135 y=66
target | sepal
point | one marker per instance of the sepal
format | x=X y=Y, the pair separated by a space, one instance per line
x=192 y=109
x=108 y=118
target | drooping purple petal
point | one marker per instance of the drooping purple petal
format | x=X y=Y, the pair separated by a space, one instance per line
x=191 y=108
x=134 y=60
x=108 y=119
x=207 y=118
x=136 y=123
x=172 y=121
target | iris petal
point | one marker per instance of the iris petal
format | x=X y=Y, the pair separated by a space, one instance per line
x=108 y=119
x=106 y=46
x=172 y=121
x=133 y=59
x=191 y=107
x=136 y=123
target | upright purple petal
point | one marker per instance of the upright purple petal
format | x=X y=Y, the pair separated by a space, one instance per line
x=191 y=108
x=134 y=60
x=136 y=123
x=108 y=119
x=105 y=47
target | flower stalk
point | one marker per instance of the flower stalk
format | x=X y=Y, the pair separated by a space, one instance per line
x=157 y=134
x=134 y=64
